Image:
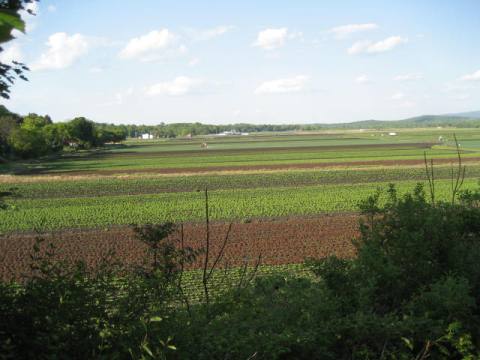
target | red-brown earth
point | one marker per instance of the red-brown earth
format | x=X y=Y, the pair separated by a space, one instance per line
x=280 y=241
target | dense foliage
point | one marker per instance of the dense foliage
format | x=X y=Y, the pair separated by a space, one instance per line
x=34 y=135
x=173 y=130
x=412 y=292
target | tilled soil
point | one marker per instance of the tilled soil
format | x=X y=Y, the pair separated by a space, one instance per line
x=280 y=241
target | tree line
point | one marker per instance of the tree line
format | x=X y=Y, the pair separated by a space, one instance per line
x=174 y=130
x=35 y=135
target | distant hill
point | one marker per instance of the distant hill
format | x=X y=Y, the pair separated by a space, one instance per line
x=469 y=120
x=470 y=114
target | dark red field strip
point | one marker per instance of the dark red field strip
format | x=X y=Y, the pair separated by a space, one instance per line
x=284 y=241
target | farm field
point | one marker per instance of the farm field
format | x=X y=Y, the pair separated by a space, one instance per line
x=289 y=196
x=255 y=152
x=272 y=239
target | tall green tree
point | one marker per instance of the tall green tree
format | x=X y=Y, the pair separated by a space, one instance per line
x=34 y=121
x=8 y=122
x=28 y=143
x=82 y=131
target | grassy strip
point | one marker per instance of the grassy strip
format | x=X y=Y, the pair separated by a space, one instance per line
x=89 y=212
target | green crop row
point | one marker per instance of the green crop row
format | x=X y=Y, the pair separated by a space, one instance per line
x=121 y=162
x=88 y=212
x=332 y=138
x=225 y=279
x=152 y=185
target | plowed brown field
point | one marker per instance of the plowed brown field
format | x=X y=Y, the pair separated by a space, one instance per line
x=281 y=241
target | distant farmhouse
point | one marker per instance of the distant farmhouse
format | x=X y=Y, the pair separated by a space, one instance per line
x=232 y=133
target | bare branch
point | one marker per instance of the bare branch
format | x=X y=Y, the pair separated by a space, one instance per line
x=430 y=176
x=220 y=254
x=255 y=268
x=207 y=250
x=460 y=174
x=182 y=269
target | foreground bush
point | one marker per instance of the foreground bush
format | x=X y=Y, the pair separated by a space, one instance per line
x=413 y=291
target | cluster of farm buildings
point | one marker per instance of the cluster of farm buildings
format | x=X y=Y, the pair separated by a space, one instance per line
x=148 y=136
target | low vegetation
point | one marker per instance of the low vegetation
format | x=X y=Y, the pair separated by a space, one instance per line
x=407 y=287
x=411 y=292
x=137 y=184
x=94 y=211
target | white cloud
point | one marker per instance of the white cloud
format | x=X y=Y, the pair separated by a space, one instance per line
x=408 y=77
x=407 y=104
x=63 y=51
x=398 y=96
x=120 y=97
x=472 y=77
x=296 y=35
x=96 y=69
x=208 y=34
x=194 y=62
x=51 y=8
x=458 y=90
x=344 y=31
x=156 y=44
x=358 y=47
x=181 y=85
x=362 y=79
x=460 y=97
x=12 y=53
x=369 y=47
x=457 y=87
x=287 y=85
x=271 y=39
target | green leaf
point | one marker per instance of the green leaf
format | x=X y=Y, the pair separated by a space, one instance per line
x=147 y=350
x=9 y=20
x=408 y=343
x=12 y=20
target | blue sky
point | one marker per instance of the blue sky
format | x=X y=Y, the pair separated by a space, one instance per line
x=277 y=61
